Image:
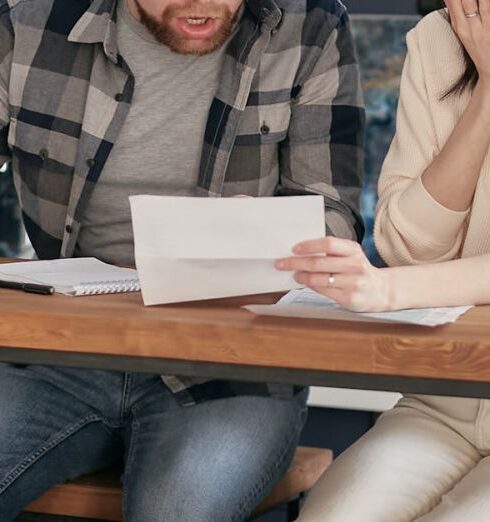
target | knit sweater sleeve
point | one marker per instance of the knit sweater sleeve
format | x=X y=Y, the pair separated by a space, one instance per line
x=411 y=227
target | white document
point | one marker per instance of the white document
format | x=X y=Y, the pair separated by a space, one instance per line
x=189 y=249
x=308 y=304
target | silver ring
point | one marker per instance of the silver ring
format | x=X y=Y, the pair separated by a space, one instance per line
x=331 y=281
x=472 y=14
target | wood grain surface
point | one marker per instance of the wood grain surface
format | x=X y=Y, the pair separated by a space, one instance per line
x=221 y=332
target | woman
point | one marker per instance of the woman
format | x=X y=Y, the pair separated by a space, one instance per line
x=427 y=460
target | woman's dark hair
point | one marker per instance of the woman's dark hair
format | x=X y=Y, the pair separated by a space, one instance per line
x=469 y=78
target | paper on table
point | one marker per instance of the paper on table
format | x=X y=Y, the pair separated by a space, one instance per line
x=308 y=304
x=73 y=276
x=188 y=249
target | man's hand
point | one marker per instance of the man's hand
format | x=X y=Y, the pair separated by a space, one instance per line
x=339 y=269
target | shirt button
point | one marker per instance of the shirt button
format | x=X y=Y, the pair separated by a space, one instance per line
x=118 y=97
x=44 y=154
x=69 y=229
x=90 y=162
x=264 y=129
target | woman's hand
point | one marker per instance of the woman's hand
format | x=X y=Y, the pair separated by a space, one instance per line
x=470 y=20
x=339 y=269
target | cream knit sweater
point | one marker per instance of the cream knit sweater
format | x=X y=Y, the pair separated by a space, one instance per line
x=411 y=227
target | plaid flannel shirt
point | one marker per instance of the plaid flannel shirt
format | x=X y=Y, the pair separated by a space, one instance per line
x=287 y=118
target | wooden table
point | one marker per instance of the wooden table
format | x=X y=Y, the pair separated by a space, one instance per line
x=219 y=339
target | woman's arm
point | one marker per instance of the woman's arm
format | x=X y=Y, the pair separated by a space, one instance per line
x=452 y=283
x=339 y=269
x=430 y=174
x=452 y=177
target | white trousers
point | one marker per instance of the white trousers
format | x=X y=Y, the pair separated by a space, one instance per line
x=427 y=460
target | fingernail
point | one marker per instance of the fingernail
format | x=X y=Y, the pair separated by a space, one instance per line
x=279 y=264
x=297 y=249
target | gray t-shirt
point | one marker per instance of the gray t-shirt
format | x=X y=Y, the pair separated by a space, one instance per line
x=159 y=147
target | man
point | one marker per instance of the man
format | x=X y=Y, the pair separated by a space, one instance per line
x=103 y=99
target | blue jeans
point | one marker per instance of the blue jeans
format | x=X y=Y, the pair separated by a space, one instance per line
x=211 y=462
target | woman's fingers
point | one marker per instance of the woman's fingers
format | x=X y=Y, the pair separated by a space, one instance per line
x=456 y=10
x=336 y=294
x=339 y=255
x=342 y=297
x=322 y=264
x=332 y=246
x=484 y=7
x=470 y=20
x=469 y=7
x=338 y=269
x=349 y=282
x=465 y=16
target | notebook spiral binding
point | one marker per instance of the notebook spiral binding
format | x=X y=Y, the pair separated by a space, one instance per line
x=108 y=287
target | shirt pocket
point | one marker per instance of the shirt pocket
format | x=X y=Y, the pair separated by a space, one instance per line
x=36 y=144
x=264 y=124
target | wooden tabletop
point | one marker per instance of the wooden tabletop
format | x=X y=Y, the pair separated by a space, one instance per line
x=221 y=333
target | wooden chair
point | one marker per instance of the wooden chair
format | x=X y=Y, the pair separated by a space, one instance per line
x=99 y=496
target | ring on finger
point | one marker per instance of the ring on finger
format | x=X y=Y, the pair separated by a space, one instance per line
x=472 y=14
x=331 y=281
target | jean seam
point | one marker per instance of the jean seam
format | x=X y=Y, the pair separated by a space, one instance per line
x=135 y=428
x=127 y=387
x=246 y=506
x=136 y=408
x=17 y=471
x=54 y=385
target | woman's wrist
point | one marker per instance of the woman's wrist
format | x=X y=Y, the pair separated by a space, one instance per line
x=481 y=96
x=484 y=81
x=390 y=291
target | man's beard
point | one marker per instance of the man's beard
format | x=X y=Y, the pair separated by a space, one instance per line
x=163 y=31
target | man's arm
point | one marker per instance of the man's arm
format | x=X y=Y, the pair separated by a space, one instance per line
x=6 y=47
x=323 y=153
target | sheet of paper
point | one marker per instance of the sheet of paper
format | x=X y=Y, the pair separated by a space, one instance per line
x=308 y=304
x=65 y=274
x=204 y=248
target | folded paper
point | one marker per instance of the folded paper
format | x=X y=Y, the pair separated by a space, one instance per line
x=189 y=249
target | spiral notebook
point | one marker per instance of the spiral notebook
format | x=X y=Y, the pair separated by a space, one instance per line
x=74 y=276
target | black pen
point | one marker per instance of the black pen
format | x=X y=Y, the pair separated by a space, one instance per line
x=32 y=288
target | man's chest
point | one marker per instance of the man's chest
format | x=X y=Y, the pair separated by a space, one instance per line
x=52 y=116
x=66 y=119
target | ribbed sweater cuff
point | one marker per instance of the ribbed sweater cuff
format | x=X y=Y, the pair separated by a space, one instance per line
x=436 y=223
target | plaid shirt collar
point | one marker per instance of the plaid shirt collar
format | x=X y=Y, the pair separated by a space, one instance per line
x=98 y=23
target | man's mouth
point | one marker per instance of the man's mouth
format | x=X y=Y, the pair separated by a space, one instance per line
x=196 y=21
x=197 y=27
